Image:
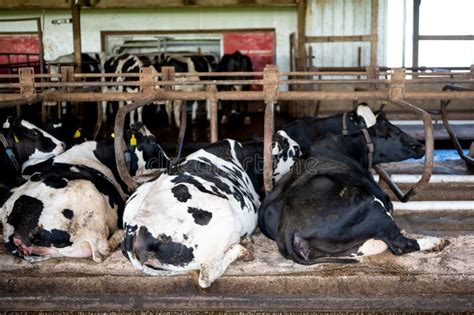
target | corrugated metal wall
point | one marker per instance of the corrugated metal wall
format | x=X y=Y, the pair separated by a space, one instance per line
x=345 y=17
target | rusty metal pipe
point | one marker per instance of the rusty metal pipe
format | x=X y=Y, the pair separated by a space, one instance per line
x=182 y=132
x=449 y=129
x=429 y=157
x=267 y=146
x=212 y=89
x=119 y=144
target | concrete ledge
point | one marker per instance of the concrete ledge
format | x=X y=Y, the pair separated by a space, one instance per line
x=442 y=281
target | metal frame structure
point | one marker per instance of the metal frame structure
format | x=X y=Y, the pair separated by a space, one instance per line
x=158 y=86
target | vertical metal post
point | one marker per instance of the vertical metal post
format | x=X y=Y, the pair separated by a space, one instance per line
x=270 y=91
x=212 y=99
x=27 y=85
x=147 y=79
x=416 y=32
x=373 y=32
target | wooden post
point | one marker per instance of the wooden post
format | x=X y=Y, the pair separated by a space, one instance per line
x=76 y=34
x=301 y=58
x=373 y=32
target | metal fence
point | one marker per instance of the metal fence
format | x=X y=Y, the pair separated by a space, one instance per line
x=388 y=85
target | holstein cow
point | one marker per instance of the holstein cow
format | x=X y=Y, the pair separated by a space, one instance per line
x=235 y=62
x=306 y=130
x=330 y=209
x=101 y=63
x=74 y=208
x=24 y=147
x=191 y=64
x=192 y=217
x=122 y=63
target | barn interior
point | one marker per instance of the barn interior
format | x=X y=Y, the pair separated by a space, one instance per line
x=413 y=59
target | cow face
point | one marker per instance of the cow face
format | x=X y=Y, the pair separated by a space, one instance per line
x=392 y=144
x=148 y=156
x=30 y=144
x=67 y=129
x=285 y=152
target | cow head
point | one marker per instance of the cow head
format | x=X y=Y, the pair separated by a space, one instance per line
x=31 y=145
x=285 y=152
x=147 y=155
x=391 y=144
x=67 y=129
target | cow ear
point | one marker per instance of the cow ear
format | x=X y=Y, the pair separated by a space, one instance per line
x=8 y=123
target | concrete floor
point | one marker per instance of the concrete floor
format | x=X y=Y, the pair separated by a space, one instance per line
x=442 y=281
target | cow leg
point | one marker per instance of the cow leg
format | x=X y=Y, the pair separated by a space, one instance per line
x=194 y=112
x=169 y=111
x=104 y=111
x=177 y=111
x=208 y=109
x=211 y=271
x=115 y=239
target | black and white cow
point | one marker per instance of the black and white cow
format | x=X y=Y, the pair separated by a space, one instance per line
x=190 y=64
x=122 y=63
x=306 y=130
x=68 y=129
x=330 y=209
x=235 y=62
x=74 y=208
x=102 y=63
x=23 y=147
x=192 y=217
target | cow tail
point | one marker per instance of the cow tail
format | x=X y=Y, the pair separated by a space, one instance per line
x=289 y=239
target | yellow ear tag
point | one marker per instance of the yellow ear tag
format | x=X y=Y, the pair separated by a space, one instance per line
x=112 y=135
x=133 y=140
x=16 y=138
x=77 y=134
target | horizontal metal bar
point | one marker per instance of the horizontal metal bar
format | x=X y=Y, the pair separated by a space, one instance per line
x=239 y=95
x=446 y=37
x=107 y=75
x=343 y=38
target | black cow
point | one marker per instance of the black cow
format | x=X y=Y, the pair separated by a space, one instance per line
x=23 y=147
x=236 y=62
x=306 y=130
x=74 y=207
x=329 y=208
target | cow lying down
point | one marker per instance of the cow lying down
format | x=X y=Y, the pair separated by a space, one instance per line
x=329 y=208
x=23 y=147
x=75 y=206
x=192 y=217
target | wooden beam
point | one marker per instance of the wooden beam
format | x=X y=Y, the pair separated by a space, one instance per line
x=76 y=34
x=145 y=4
x=374 y=22
x=301 y=20
x=337 y=39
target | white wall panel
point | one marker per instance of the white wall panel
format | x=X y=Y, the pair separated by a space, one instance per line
x=58 y=38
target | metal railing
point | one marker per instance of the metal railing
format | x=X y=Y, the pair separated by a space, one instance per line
x=155 y=86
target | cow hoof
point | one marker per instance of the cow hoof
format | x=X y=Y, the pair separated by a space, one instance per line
x=246 y=255
x=247 y=121
x=224 y=120
x=440 y=246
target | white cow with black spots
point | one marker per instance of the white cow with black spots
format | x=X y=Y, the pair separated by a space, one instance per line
x=74 y=207
x=192 y=217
